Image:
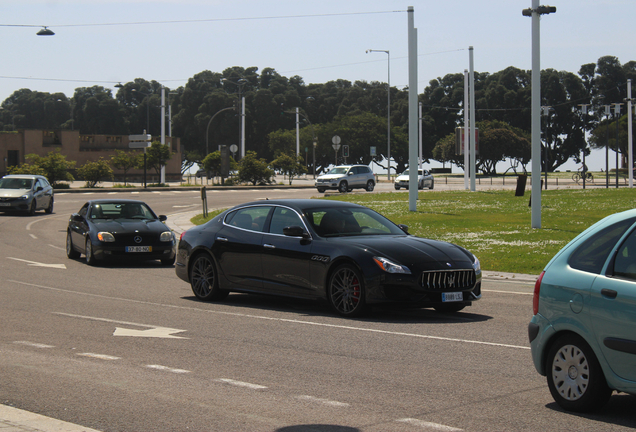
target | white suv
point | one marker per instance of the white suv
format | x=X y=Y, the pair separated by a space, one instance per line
x=345 y=178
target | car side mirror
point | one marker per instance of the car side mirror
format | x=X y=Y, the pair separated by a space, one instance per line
x=39 y=188
x=295 y=231
x=163 y=218
x=349 y=173
x=76 y=217
x=404 y=228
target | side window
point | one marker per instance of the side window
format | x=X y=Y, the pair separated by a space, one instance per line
x=365 y=170
x=36 y=185
x=83 y=211
x=591 y=255
x=249 y=218
x=283 y=217
x=625 y=259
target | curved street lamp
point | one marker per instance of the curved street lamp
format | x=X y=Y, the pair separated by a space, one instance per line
x=241 y=82
x=147 y=108
x=388 y=111
x=207 y=151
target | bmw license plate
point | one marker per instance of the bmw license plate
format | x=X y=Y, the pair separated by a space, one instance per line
x=138 y=248
x=452 y=297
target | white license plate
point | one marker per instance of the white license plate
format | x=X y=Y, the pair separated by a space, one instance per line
x=138 y=248
x=4 y=204
x=452 y=297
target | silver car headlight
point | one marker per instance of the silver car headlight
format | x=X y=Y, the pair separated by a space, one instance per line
x=476 y=265
x=166 y=236
x=105 y=237
x=25 y=197
x=391 y=267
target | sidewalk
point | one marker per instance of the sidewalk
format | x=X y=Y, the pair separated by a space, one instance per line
x=17 y=420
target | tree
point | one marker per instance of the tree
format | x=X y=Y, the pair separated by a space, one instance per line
x=126 y=160
x=53 y=166
x=254 y=170
x=95 y=172
x=291 y=166
x=212 y=163
x=157 y=155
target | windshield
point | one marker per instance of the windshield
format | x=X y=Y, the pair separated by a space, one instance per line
x=121 y=211
x=338 y=170
x=15 y=183
x=405 y=173
x=354 y=221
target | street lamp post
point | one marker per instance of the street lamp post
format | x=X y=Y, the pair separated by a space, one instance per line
x=298 y=113
x=584 y=111
x=617 y=114
x=147 y=108
x=388 y=112
x=240 y=83
x=545 y=110
x=207 y=129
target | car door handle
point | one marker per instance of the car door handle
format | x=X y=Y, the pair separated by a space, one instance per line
x=269 y=246
x=609 y=293
x=223 y=239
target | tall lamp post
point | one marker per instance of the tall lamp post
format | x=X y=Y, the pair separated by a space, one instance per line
x=617 y=115
x=240 y=83
x=298 y=113
x=388 y=111
x=535 y=12
x=147 y=108
x=584 y=112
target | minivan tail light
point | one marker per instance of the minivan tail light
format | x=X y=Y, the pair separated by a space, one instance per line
x=535 y=298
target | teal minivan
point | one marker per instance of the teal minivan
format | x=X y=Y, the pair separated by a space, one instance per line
x=583 y=332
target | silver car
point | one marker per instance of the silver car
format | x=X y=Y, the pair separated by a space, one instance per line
x=25 y=193
x=345 y=178
x=424 y=179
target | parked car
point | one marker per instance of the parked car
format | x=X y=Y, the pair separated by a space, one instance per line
x=583 y=332
x=345 y=178
x=345 y=253
x=425 y=179
x=124 y=229
x=26 y=193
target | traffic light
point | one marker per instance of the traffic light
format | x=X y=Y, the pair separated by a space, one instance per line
x=345 y=151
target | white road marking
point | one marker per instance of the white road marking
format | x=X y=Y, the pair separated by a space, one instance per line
x=508 y=292
x=185 y=206
x=33 y=236
x=429 y=425
x=323 y=401
x=241 y=384
x=293 y=321
x=33 y=344
x=37 y=264
x=57 y=247
x=99 y=356
x=153 y=331
x=168 y=369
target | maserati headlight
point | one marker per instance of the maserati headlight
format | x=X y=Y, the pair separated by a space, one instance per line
x=391 y=267
x=166 y=236
x=105 y=236
x=477 y=265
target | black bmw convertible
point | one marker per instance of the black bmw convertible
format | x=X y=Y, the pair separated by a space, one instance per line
x=345 y=253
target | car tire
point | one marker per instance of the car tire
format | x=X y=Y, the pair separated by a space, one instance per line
x=432 y=183
x=343 y=187
x=88 y=251
x=71 y=253
x=31 y=210
x=204 y=279
x=575 y=377
x=370 y=186
x=49 y=209
x=449 y=307
x=345 y=291
x=321 y=190
x=397 y=188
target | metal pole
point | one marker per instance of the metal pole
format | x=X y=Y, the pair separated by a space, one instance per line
x=388 y=113
x=297 y=133
x=630 y=150
x=471 y=132
x=465 y=144
x=617 y=115
x=536 y=118
x=243 y=127
x=607 y=114
x=163 y=130
x=412 y=101
x=421 y=153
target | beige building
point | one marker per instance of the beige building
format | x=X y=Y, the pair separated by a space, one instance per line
x=14 y=146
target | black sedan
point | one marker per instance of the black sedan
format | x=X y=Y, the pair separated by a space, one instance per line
x=345 y=253
x=125 y=229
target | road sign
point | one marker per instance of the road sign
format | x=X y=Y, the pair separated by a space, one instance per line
x=336 y=139
x=139 y=141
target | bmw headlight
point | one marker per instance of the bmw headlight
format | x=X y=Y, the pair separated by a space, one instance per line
x=391 y=267
x=166 y=236
x=105 y=236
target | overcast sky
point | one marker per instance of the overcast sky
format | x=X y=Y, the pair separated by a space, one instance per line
x=99 y=42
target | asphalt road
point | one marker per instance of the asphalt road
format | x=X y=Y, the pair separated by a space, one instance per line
x=128 y=348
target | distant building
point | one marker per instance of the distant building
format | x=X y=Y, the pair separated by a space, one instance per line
x=14 y=146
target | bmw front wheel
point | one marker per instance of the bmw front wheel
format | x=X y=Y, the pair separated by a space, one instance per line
x=346 y=291
x=204 y=279
x=575 y=377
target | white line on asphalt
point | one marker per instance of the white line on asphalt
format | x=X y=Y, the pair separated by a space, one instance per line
x=167 y=369
x=33 y=344
x=293 y=321
x=323 y=401
x=429 y=425
x=99 y=356
x=508 y=292
x=57 y=247
x=33 y=236
x=241 y=384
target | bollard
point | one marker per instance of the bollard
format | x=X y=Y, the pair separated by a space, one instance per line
x=204 y=201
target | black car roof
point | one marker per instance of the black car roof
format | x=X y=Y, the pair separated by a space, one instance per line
x=302 y=204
